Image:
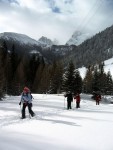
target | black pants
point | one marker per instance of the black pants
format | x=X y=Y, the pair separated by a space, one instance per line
x=97 y=102
x=29 y=108
x=77 y=104
x=68 y=104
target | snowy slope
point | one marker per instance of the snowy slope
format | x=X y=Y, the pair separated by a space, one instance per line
x=108 y=67
x=23 y=39
x=54 y=127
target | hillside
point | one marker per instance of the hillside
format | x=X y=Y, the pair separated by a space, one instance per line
x=21 y=38
x=94 y=50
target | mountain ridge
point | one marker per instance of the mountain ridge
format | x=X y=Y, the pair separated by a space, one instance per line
x=24 y=39
x=93 y=50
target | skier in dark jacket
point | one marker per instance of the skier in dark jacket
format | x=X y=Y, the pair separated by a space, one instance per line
x=26 y=100
x=69 y=99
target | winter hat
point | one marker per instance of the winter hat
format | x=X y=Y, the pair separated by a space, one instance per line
x=26 y=90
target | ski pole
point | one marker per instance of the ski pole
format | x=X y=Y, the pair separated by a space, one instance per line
x=29 y=115
x=20 y=108
x=28 y=111
x=72 y=104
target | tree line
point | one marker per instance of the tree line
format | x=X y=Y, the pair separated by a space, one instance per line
x=32 y=71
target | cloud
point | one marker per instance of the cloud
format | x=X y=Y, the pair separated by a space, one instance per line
x=55 y=19
x=8 y=1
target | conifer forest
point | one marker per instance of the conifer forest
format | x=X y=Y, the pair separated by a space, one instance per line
x=18 y=71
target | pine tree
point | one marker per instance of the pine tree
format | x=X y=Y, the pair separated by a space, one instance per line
x=68 y=79
x=32 y=69
x=19 y=78
x=87 y=83
x=12 y=63
x=4 y=54
x=102 y=77
x=109 y=84
x=77 y=82
x=96 y=80
x=2 y=77
x=41 y=73
x=56 y=77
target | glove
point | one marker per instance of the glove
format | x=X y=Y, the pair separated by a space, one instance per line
x=19 y=103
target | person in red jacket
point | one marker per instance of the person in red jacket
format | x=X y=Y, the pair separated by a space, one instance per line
x=77 y=97
x=98 y=98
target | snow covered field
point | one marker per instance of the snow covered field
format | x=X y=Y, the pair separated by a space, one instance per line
x=54 y=127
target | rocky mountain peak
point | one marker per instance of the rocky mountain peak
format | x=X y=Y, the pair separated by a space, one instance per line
x=77 y=38
x=45 y=41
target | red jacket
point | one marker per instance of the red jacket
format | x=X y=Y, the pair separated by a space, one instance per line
x=77 y=97
x=98 y=98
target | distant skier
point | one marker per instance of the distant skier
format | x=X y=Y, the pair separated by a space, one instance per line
x=98 y=99
x=26 y=100
x=77 y=97
x=69 y=99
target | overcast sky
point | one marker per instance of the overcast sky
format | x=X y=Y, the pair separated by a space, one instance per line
x=55 y=19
